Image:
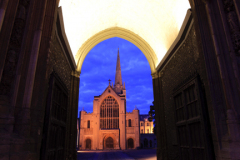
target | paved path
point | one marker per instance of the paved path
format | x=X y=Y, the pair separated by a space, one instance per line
x=142 y=154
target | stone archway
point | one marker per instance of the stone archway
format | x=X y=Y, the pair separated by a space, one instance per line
x=130 y=143
x=109 y=143
x=88 y=144
x=144 y=25
x=121 y=33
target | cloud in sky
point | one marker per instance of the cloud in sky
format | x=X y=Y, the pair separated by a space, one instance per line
x=100 y=65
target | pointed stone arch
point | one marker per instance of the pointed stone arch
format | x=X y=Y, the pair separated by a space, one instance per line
x=113 y=137
x=130 y=143
x=87 y=143
x=111 y=95
x=121 y=33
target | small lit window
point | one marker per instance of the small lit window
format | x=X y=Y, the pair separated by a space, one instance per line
x=88 y=124
x=129 y=123
x=147 y=130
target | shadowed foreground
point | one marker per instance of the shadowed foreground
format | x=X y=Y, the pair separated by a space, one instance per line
x=142 y=154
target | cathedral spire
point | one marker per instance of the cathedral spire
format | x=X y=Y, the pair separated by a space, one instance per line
x=118 y=76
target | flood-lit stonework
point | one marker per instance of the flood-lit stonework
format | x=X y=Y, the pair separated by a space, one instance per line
x=110 y=126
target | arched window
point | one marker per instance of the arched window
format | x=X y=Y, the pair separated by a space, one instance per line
x=88 y=124
x=145 y=143
x=130 y=143
x=109 y=113
x=150 y=142
x=88 y=143
x=129 y=123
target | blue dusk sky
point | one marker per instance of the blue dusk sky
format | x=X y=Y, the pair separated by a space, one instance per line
x=100 y=65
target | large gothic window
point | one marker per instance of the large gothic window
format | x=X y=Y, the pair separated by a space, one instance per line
x=109 y=113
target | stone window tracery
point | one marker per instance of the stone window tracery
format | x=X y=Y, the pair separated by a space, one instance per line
x=109 y=113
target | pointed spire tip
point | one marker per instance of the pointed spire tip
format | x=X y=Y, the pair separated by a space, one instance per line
x=118 y=75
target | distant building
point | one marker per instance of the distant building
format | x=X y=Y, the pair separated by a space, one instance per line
x=109 y=126
x=147 y=136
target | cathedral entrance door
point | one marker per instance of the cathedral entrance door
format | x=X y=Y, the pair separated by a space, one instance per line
x=88 y=144
x=109 y=143
x=130 y=143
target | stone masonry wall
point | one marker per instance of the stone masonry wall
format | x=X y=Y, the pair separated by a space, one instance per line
x=59 y=63
x=186 y=61
x=56 y=62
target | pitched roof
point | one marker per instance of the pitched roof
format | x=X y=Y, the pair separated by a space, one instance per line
x=111 y=89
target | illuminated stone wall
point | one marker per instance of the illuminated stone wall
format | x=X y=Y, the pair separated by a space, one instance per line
x=147 y=19
x=98 y=135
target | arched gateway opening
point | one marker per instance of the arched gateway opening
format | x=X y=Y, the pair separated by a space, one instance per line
x=106 y=33
x=108 y=105
x=109 y=144
x=121 y=33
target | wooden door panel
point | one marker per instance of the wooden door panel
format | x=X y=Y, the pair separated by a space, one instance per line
x=54 y=131
x=190 y=122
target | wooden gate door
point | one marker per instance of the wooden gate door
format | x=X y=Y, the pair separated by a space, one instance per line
x=192 y=123
x=54 y=130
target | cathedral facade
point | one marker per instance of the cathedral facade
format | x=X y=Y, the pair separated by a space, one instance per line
x=109 y=126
